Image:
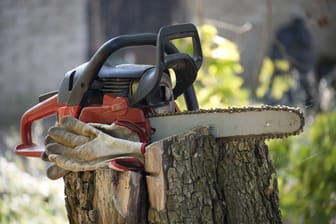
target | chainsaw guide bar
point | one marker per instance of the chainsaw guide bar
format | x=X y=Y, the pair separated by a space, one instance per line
x=259 y=122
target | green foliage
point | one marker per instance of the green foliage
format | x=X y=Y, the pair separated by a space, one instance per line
x=28 y=199
x=218 y=83
x=307 y=172
x=26 y=194
x=282 y=83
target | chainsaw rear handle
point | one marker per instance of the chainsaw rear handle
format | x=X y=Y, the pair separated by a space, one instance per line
x=75 y=95
x=41 y=110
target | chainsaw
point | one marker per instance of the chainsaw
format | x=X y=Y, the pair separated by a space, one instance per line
x=142 y=97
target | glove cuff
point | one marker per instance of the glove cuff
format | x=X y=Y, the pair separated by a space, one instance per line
x=126 y=164
x=135 y=128
x=143 y=148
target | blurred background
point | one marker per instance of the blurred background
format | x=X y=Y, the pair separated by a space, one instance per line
x=255 y=52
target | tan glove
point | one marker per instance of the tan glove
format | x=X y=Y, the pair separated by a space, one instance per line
x=53 y=171
x=77 y=146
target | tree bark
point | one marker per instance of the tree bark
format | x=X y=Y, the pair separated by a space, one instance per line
x=204 y=180
x=106 y=196
x=191 y=178
x=248 y=181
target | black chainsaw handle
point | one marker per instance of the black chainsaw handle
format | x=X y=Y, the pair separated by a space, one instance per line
x=98 y=59
x=162 y=41
x=185 y=67
x=168 y=33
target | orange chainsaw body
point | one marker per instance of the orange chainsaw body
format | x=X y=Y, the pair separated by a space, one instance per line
x=113 y=109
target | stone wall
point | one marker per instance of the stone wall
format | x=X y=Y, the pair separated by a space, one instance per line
x=39 y=41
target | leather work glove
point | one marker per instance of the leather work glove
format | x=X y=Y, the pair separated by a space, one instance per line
x=76 y=146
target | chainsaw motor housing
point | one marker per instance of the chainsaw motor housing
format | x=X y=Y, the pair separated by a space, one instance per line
x=98 y=93
x=122 y=81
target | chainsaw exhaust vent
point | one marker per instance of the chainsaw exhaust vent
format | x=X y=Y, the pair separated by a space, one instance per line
x=116 y=86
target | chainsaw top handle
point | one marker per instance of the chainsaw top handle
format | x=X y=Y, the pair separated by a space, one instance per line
x=167 y=56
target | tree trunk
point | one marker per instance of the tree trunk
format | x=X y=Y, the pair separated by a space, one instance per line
x=191 y=178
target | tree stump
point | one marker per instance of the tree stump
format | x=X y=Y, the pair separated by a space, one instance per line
x=190 y=178
x=195 y=179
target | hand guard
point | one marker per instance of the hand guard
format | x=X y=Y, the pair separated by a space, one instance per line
x=77 y=146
